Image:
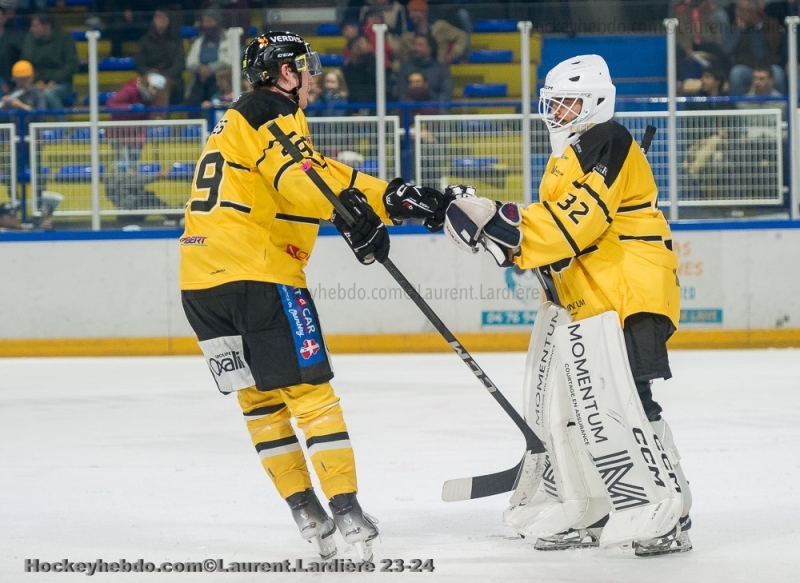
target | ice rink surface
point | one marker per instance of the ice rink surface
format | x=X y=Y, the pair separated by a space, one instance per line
x=142 y=458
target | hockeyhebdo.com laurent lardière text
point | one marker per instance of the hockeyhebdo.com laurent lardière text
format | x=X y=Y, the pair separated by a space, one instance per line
x=356 y=292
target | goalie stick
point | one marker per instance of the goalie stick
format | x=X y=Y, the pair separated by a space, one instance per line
x=532 y=442
x=507 y=480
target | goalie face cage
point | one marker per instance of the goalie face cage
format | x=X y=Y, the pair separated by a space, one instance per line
x=563 y=110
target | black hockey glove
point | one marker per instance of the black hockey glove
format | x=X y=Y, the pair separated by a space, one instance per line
x=408 y=201
x=367 y=237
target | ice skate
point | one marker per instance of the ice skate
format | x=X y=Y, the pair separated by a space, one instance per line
x=314 y=523
x=357 y=527
x=582 y=538
x=573 y=538
x=675 y=541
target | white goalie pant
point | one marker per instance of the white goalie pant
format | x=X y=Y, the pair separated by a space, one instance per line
x=559 y=489
x=602 y=453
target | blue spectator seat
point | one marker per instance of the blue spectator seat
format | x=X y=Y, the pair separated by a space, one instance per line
x=485 y=90
x=474 y=162
x=189 y=32
x=181 y=170
x=117 y=64
x=481 y=126
x=253 y=31
x=76 y=173
x=79 y=35
x=84 y=135
x=369 y=166
x=52 y=135
x=158 y=132
x=495 y=26
x=102 y=97
x=190 y=132
x=487 y=56
x=331 y=60
x=328 y=29
x=70 y=101
x=43 y=171
x=149 y=169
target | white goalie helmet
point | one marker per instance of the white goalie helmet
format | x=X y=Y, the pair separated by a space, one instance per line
x=579 y=87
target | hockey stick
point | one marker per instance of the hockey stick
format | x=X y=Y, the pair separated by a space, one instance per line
x=532 y=443
x=506 y=481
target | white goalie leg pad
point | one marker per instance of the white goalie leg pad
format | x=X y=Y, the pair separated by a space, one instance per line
x=557 y=493
x=624 y=447
x=538 y=377
x=537 y=380
x=681 y=484
x=576 y=496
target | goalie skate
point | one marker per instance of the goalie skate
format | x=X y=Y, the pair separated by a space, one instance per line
x=573 y=538
x=357 y=527
x=582 y=538
x=675 y=541
x=314 y=523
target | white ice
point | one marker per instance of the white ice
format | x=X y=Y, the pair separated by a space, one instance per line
x=135 y=458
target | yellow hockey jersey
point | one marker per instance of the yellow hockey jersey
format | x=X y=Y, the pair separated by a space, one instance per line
x=598 y=227
x=253 y=213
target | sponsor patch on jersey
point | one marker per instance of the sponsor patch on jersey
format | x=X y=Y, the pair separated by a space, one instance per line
x=194 y=240
x=304 y=325
x=296 y=253
x=225 y=359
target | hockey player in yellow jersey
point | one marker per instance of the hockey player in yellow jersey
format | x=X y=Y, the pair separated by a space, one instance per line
x=251 y=224
x=603 y=246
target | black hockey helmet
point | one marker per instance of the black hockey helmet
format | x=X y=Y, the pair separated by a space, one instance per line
x=266 y=53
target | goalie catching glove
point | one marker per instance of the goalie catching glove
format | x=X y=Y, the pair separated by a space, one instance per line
x=367 y=237
x=408 y=201
x=474 y=220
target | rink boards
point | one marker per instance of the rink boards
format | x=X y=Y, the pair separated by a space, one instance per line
x=117 y=293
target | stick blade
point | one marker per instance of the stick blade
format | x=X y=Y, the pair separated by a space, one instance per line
x=481 y=486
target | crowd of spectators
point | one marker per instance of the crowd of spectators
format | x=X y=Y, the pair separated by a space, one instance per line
x=52 y=51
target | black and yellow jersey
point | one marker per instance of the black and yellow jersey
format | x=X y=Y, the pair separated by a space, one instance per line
x=598 y=226
x=254 y=214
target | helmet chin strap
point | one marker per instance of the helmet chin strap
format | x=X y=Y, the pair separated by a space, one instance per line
x=292 y=93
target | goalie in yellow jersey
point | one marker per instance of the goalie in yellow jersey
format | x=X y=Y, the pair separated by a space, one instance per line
x=611 y=475
x=251 y=224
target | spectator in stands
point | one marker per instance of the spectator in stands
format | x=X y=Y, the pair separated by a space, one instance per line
x=359 y=73
x=702 y=26
x=127 y=21
x=223 y=98
x=417 y=91
x=712 y=84
x=763 y=85
x=210 y=51
x=436 y=74
x=754 y=41
x=147 y=90
x=54 y=57
x=234 y=13
x=161 y=49
x=703 y=160
x=25 y=95
x=392 y=13
x=10 y=46
x=451 y=41
x=374 y=16
x=350 y=31
x=333 y=93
